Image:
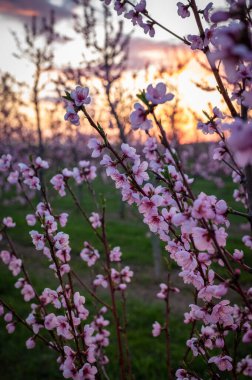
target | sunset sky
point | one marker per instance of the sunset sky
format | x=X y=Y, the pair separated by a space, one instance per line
x=13 y=13
x=156 y=52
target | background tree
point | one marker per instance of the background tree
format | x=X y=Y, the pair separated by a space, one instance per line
x=37 y=49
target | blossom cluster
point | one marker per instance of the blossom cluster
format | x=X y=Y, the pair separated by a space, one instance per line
x=60 y=317
x=194 y=229
x=137 y=15
x=85 y=172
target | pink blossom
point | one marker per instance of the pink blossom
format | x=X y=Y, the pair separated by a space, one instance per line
x=115 y=254
x=63 y=217
x=221 y=236
x=163 y=292
x=8 y=317
x=148 y=27
x=64 y=254
x=139 y=172
x=96 y=147
x=126 y=274
x=87 y=372
x=156 y=329
x=15 y=266
x=63 y=328
x=79 y=302
x=247 y=240
x=135 y=15
x=245 y=366
x=86 y=172
x=69 y=370
x=219 y=342
x=61 y=240
x=141 y=6
x=51 y=321
x=67 y=173
x=157 y=95
x=155 y=222
x=31 y=321
x=202 y=207
x=28 y=292
x=13 y=177
x=109 y=164
x=210 y=291
x=95 y=220
x=88 y=332
x=121 y=278
x=91 y=354
x=182 y=374
x=128 y=152
x=64 y=268
x=81 y=96
x=119 y=7
x=207 y=128
x=50 y=296
x=59 y=184
x=50 y=224
x=193 y=278
x=5 y=257
x=240 y=142
x=8 y=222
x=196 y=42
x=203 y=239
x=72 y=116
x=247 y=337
x=33 y=183
x=41 y=164
x=138 y=118
x=224 y=363
x=20 y=283
x=238 y=254
x=221 y=313
x=89 y=254
x=149 y=205
x=5 y=162
x=220 y=16
x=30 y=343
x=120 y=180
x=38 y=240
x=10 y=327
x=247 y=98
x=206 y=11
x=47 y=253
x=31 y=219
x=100 y=281
x=185 y=260
x=194 y=345
x=183 y=10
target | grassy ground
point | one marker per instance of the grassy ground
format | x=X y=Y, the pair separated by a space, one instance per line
x=148 y=353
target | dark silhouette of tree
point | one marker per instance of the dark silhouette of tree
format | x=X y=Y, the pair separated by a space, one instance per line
x=14 y=123
x=109 y=53
x=38 y=49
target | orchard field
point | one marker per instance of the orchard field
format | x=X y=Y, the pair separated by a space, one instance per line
x=130 y=233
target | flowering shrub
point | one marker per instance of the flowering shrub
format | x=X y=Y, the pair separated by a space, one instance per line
x=194 y=227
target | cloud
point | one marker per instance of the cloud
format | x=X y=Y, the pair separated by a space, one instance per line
x=144 y=52
x=24 y=9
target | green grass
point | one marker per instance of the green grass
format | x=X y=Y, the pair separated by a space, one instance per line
x=130 y=234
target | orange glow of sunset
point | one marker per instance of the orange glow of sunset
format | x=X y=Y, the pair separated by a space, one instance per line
x=192 y=100
x=150 y=62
